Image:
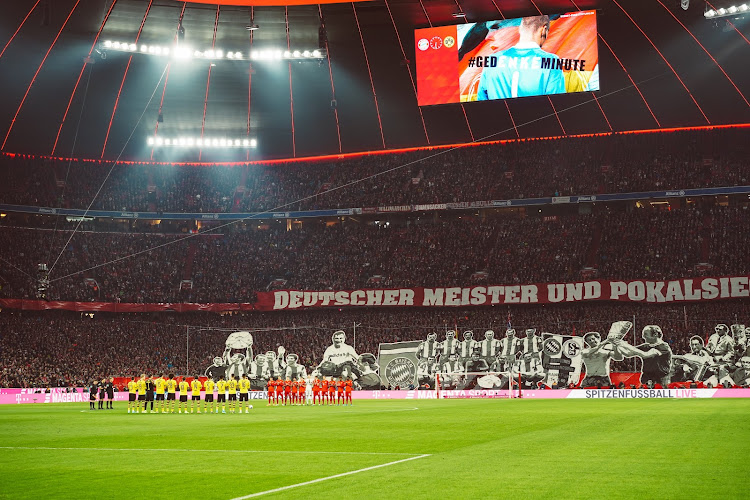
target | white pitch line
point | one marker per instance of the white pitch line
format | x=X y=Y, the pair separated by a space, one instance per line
x=413 y=455
x=362 y=410
x=284 y=488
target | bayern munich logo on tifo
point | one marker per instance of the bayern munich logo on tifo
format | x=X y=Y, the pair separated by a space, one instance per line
x=423 y=44
x=436 y=42
x=400 y=371
x=552 y=347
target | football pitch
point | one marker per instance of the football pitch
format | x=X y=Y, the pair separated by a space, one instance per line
x=679 y=448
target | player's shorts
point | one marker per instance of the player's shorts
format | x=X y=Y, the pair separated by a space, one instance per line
x=233 y=396
x=141 y=397
x=171 y=396
x=131 y=397
x=196 y=398
x=92 y=396
x=101 y=395
x=221 y=398
x=160 y=397
x=209 y=398
x=110 y=395
x=244 y=396
x=149 y=396
x=183 y=398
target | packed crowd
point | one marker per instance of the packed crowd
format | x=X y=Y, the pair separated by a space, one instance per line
x=525 y=169
x=431 y=252
x=70 y=349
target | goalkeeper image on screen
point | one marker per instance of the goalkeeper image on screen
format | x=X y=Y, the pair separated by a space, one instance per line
x=518 y=71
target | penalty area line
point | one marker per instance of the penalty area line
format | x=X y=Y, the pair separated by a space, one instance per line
x=299 y=452
x=319 y=480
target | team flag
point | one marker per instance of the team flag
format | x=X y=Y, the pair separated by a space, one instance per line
x=398 y=363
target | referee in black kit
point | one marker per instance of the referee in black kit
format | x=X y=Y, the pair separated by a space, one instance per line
x=102 y=392
x=149 y=394
x=109 y=388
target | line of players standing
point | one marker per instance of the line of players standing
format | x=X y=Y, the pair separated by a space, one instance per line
x=328 y=390
x=232 y=394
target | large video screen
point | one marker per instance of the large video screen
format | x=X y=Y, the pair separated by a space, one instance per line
x=530 y=56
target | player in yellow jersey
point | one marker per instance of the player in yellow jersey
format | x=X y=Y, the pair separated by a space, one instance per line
x=195 y=400
x=171 y=395
x=132 y=394
x=142 y=393
x=161 y=386
x=221 y=399
x=184 y=387
x=244 y=385
x=232 y=388
x=209 y=385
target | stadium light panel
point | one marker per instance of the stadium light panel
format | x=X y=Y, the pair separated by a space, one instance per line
x=189 y=142
x=186 y=52
x=726 y=11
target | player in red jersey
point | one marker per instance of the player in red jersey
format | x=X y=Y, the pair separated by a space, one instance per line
x=348 y=386
x=332 y=391
x=271 y=388
x=287 y=391
x=324 y=391
x=302 y=390
x=340 y=391
x=295 y=392
x=317 y=386
x=279 y=390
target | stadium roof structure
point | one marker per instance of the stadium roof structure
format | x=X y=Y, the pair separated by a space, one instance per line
x=66 y=93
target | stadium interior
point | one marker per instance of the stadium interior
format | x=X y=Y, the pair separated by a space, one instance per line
x=317 y=170
x=415 y=248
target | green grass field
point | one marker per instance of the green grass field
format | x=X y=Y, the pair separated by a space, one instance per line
x=474 y=449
